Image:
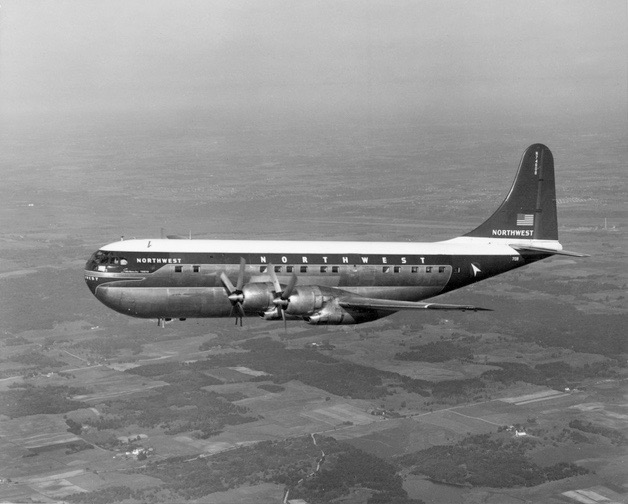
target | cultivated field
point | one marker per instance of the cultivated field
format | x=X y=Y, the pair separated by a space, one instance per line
x=549 y=354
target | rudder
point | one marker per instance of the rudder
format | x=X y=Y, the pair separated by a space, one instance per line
x=529 y=210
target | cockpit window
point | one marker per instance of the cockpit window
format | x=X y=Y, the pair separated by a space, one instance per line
x=106 y=261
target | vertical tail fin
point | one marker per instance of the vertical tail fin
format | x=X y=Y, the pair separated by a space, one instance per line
x=529 y=210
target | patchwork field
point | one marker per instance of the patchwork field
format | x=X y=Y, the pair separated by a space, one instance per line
x=556 y=325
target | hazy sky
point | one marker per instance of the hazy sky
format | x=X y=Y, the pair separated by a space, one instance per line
x=310 y=57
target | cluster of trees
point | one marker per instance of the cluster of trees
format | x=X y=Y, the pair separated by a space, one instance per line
x=512 y=372
x=30 y=400
x=106 y=495
x=77 y=447
x=104 y=439
x=552 y=374
x=614 y=435
x=483 y=460
x=349 y=469
x=580 y=331
x=74 y=427
x=560 y=373
x=457 y=388
x=291 y=462
x=108 y=422
x=70 y=447
x=176 y=408
x=312 y=368
x=439 y=351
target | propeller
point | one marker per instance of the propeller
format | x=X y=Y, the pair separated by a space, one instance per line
x=235 y=294
x=282 y=298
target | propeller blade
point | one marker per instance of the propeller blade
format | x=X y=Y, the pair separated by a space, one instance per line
x=274 y=279
x=288 y=292
x=227 y=283
x=240 y=313
x=240 y=283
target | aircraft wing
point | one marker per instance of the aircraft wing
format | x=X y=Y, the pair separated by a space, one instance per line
x=389 y=304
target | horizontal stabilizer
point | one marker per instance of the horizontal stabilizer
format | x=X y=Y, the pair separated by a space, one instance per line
x=389 y=304
x=526 y=248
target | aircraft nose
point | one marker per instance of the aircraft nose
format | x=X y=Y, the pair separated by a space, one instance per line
x=92 y=281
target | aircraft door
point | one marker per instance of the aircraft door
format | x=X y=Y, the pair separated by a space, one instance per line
x=362 y=275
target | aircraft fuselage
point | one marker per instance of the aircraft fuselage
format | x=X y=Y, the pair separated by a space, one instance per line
x=181 y=278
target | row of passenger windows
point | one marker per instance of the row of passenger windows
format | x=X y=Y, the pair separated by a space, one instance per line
x=334 y=269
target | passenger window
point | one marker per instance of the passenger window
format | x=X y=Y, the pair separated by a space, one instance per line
x=457 y=270
x=196 y=269
x=262 y=269
x=441 y=269
x=397 y=269
x=386 y=269
x=178 y=269
x=289 y=269
x=277 y=269
x=303 y=269
x=415 y=269
x=428 y=269
x=334 y=269
x=323 y=269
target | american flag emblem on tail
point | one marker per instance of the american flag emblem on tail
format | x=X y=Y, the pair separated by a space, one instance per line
x=525 y=219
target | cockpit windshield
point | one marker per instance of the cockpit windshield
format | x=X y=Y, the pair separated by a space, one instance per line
x=103 y=260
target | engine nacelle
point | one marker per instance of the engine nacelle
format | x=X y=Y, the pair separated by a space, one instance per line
x=333 y=314
x=316 y=305
x=270 y=314
x=306 y=300
x=258 y=297
x=303 y=301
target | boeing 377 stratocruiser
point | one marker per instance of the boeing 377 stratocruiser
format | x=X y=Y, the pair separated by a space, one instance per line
x=328 y=282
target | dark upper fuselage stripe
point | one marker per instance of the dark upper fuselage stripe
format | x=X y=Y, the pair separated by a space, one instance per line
x=162 y=258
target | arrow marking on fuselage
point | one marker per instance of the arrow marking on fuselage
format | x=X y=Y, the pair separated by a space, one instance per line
x=475 y=269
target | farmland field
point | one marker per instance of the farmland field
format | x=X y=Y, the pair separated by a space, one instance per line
x=103 y=385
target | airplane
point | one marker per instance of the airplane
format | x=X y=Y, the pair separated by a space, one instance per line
x=328 y=282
